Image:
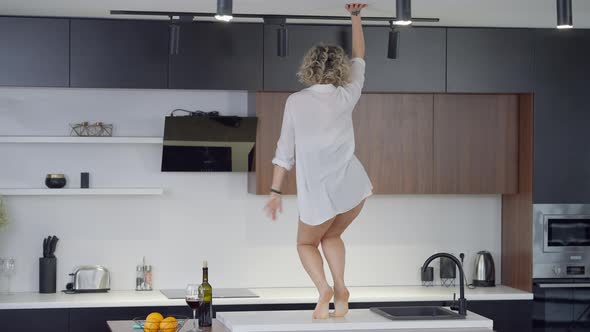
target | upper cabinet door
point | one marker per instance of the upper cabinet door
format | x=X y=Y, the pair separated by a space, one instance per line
x=490 y=60
x=119 y=54
x=218 y=56
x=394 y=141
x=280 y=73
x=420 y=66
x=562 y=117
x=420 y=63
x=475 y=144
x=34 y=52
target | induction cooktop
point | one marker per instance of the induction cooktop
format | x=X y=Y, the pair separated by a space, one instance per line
x=218 y=293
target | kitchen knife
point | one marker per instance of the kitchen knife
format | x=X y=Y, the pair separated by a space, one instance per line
x=45 y=247
x=52 y=247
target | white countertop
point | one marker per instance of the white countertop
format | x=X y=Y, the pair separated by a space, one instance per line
x=267 y=296
x=359 y=319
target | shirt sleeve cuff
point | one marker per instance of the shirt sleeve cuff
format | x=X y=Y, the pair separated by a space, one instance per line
x=282 y=164
x=360 y=61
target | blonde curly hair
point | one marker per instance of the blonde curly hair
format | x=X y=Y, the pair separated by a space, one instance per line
x=325 y=64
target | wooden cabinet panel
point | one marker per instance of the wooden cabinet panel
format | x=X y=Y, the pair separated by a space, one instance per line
x=34 y=52
x=393 y=141
x=218 y=56
x=393 y=135
x=475 y=144
x=119 y=54
x=490 y=60
x=269 y=109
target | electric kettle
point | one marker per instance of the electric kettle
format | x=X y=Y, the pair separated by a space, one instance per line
x=484 y=272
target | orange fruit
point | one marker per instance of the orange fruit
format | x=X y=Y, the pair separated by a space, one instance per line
x=169 y=324
x=152 y=322
x=155 y=317
x=151 y=327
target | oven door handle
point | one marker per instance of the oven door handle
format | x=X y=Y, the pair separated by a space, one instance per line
x=580 y=285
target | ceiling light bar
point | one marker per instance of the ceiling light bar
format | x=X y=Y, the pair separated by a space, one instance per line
x=403 y=11
x=564 y=14
x=224 y=10
x=273 y=16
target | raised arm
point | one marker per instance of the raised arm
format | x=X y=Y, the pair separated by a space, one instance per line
x=358 y=39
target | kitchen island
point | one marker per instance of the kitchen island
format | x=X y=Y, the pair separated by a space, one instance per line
x=359 y=319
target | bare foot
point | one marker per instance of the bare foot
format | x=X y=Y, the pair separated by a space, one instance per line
x=322 y=309
x=341 y=296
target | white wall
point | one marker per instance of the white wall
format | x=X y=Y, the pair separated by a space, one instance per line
x=201 y=215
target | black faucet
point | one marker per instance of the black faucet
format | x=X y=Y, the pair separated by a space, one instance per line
x=462 y=301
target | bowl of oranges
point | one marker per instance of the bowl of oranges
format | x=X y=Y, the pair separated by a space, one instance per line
x=156 y=322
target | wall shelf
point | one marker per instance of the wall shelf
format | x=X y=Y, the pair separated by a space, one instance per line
x=81 y=140
x=82 y=192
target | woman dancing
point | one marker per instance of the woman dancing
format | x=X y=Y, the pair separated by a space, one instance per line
x=332 y=184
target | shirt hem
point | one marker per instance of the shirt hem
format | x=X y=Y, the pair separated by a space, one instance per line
x=365 y=196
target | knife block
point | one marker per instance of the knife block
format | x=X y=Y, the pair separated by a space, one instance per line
x=47 y=275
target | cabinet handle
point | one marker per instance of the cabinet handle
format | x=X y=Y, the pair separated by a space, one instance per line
x=585 y=285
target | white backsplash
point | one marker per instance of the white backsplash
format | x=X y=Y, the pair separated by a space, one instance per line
x=201 y=215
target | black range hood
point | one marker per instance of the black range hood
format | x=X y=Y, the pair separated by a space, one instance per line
x=209 y=143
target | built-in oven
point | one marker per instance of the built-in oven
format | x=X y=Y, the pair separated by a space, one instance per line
x=561 y=305
x=561 y=267
x=561 y=241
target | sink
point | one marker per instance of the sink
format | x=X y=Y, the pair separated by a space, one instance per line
x=416 y=313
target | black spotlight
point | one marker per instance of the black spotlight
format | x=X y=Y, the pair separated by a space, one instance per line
x=403 y=12
x=564 y=14
x=282 y=41
x=224 y=10
x=393 y=43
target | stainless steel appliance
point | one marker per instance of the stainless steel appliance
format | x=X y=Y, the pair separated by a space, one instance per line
x=561 y=264
x=561 y=241
x=219 y=293
x=484 y=272
x=89 y=279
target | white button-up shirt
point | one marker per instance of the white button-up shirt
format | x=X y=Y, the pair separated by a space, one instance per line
x=317 y=131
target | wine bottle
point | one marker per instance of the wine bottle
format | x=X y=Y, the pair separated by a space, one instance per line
x=206 y=312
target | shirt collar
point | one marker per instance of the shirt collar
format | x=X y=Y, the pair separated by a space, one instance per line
x=322 y=87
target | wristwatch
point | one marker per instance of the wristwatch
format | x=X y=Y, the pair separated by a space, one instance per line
x=355 y=13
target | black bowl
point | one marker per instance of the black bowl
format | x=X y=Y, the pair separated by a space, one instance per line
x=55 y=181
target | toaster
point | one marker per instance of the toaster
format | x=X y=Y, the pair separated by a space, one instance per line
x=89 y=279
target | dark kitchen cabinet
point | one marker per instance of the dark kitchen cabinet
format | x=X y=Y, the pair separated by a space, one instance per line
x=490 y=60
x=218 y=56
x=119 y=54
x=420 y=63
x=95 y=319
x=38 y=320
x=562 y=117
x=34 y=52
x=475 y=144
x=420 y=66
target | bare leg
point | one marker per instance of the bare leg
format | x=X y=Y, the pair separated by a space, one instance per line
x=308 y=239
x=334 y=251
